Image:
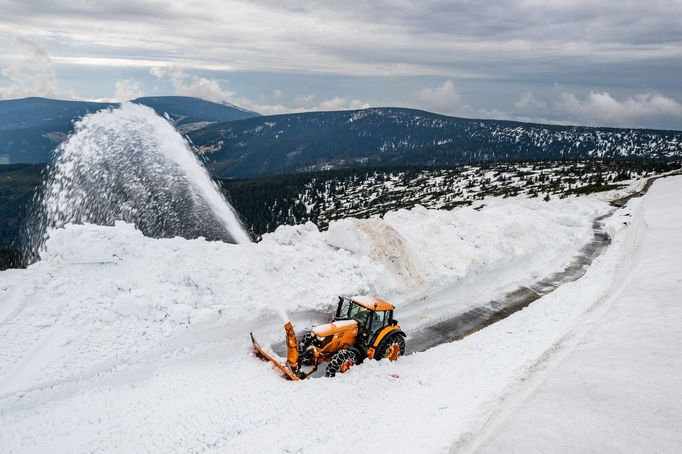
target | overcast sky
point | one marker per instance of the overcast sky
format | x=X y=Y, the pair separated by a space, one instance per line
x=609 y=62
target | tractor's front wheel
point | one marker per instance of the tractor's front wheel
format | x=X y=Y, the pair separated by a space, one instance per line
x=391 y=348
x=341 y=362
x=304 y=342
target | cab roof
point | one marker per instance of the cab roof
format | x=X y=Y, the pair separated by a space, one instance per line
x=372 y=303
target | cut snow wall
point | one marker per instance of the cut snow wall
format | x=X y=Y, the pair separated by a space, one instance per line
x=380 y=242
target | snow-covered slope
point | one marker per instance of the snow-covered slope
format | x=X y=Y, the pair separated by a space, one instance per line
x=617 y=386
x=116 y=342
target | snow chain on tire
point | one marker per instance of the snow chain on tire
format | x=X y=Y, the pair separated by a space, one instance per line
x=386 y=344
x=305 y=341
x=338 y=360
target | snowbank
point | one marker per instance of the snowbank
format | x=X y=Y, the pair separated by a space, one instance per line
x=152 y=335
x=617 y=384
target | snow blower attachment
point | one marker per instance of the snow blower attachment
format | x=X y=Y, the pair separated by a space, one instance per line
x=363 y=327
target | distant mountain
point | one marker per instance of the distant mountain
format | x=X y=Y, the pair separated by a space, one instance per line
x=395 y=136
x=33 y=112
x=239 y=143
x=31 y=128
x=185 y=110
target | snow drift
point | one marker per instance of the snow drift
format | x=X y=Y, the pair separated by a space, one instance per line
x=106 y=293
x=150 y=336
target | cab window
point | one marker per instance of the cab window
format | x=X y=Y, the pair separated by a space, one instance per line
x=379 y=320
x=359 y=314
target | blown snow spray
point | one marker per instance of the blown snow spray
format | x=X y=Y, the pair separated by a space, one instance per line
x=131 y=164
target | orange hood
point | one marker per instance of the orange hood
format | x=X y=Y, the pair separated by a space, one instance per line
x=335 y=327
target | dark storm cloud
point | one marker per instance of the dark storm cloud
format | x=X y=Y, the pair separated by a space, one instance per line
x=431 y=33
x=625 y=47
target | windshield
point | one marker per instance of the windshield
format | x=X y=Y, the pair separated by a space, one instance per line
x=359 y=314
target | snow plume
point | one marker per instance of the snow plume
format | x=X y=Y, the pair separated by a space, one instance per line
x=131 y=164
x=31 y=74
x=600 y=108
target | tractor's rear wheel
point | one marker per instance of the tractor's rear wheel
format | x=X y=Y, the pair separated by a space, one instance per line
x=341 y=362
x=391 y=348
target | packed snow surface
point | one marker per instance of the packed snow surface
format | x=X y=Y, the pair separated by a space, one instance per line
x=118 y=342
x=617 y=385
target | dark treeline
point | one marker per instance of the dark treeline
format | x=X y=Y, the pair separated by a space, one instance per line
x=268 y=202
x=322 y=196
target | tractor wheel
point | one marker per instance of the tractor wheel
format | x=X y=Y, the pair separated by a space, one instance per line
x=391 y=348
x=341 y=362
x=305 y=341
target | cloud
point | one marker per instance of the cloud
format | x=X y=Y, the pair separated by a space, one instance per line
x=277 y=95
x=529 y=102
x=600 y=108
x=31 y=74
x=455 y=39
x=192 y=85
x=304 y=100
x=339 y=103
x=443 y=99
x=128 y=89
x=211 y=90
x=488 y=48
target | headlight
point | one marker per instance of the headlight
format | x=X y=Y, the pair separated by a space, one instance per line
x=320 y=338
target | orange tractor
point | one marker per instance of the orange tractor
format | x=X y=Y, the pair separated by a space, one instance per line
x=363 y=327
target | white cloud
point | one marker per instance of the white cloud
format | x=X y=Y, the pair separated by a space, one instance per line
x=386 y=37
x=128 y=89
x=529 y=102
x=600 y=108
x=305 y=100
x=192 y=85
x=339 y=103
x=277 y=95
x=31 y=73
x=211 y=90
x=443 y=99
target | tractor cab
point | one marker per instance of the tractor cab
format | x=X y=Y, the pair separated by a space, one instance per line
x=371 y=315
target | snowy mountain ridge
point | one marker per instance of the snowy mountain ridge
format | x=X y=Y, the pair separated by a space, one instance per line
x=398 y=136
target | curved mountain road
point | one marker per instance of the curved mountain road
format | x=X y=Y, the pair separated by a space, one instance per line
x=463 y=324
